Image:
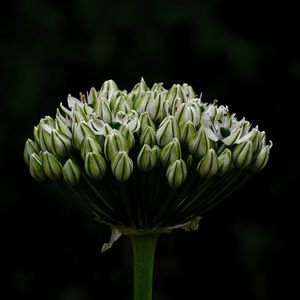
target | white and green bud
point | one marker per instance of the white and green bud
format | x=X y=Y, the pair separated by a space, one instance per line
x=122 y=166
x=140 y=87
x=186 y=112
x=167 y=131
x=155 y=108
x=145 y=121
x=114 y=143
x=242 y=155
x=71 y=172
x=128 y=135
x=103 y=111
x=225 y=162
x=62 y=127
x=189 y=161
x=120 y=104
x=79 y=132
x=35 y=167
x=36 y=135
x=51 y=166
x=174 y=106
x=187 y=132
x=89 y=144
x=176 y=91
x=146 y=159
x=61 y=144
x=208 y=165
x=148 y=136
x=30 y=147
x=170 y=153
x=261 y=159
x=95 y=165
x=199 y=144
x=108 y=88
x=176 y=173
x=144 y=102
x=45 y=137
x=188 y=90
x=157 y=152
x=92 y=96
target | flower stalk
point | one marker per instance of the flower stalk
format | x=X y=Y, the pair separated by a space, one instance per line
x=143 y=246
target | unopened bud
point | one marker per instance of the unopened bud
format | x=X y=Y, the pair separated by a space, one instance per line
x=170 y=153
x=30 y=147
x=95 y=165
x=242 y=155
x=113 y=144
x=146 y=159
x=187 y=132
x=167 y=131
x=261 y=159
x=199 y=144
x=148 y=136
x=103 y=111
x=176 y=173
x=186 y=112
x=128 y=135
x=51 y=166
x=35 y=167
x=208 y=165
x=71 y=172
x=61 y=144
x=79 y=132
x=122 y=166
x=89 y=144
x=225 y=162
x=157 y=152
x=108 y=88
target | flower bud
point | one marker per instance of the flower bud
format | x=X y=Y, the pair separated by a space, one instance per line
x=62 y=127
x=108 y=88
x=167 y=130
x=113 y=144
x=225 y=162
x=176 y=173
x=176 y=91
x=148 y=136
x=122 y=166
x=120 y=104
x=79 y=132
x=189 y=161
x=128 y=135
x=144 y=102
x=208 y=165
x=35 y=167
x=199 y=144
x=261 y=159
x=103 y=111
x=170 y=153
x=95 y=165
x=92 y=96
x=157 y=152
x=188 y=90
x=187 y=132
x=155 y=107
x=186 y=113
x=145 y=121
x=140 y=87
x=30 y=147
x=51 y=166
x=61 y=144
x=71 y=172
x=242 y=155
x=44 y=137
x=89 y=144
x=146 y=159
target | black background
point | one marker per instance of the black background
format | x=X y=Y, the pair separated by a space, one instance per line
x=244 y=53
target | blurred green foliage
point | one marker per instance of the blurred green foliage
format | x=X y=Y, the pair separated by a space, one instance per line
x=242 y=52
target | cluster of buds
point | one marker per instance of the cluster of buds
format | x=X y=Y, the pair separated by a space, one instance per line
x=112 y=136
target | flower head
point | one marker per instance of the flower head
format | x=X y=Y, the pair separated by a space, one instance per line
x=149 y=159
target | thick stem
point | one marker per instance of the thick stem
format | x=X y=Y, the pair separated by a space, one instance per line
x=143 y=258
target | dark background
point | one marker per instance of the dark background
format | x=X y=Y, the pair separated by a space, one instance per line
x=243 y=53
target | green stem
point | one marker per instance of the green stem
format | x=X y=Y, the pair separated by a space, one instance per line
x=143 y=258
